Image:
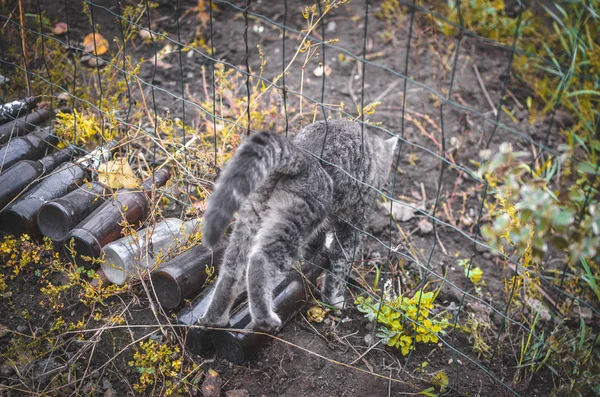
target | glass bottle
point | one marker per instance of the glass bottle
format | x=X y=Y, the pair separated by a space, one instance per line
x=26 y=173
x=23 y=125
x=184 y=276
x=56 y=218
x=12 y=110
x=289 y=296
x=20 y=217
x=123 y=256
x=198 y=340
x=29 y=147
x=105 y=224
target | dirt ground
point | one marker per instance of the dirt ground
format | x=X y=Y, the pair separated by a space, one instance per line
x=343 y=361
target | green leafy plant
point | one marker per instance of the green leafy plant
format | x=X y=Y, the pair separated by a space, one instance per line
x=156 y=362
x=405 y=321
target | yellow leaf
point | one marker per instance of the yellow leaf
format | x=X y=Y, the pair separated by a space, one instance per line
x=475 y=275
x=316 y=314
x=95 y=44
x=117 y=174
x=440 y=380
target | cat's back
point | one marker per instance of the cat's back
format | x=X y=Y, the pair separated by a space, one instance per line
x=334 y=140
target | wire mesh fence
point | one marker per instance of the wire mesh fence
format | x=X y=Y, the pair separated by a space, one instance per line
x=478 y=269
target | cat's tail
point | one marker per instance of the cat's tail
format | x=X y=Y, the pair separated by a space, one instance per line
x=258 y=157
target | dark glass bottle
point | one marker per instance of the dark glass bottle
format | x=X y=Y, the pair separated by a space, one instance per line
x=29 y=147
x=105 y=224
x=21 y=216
x=289 y=297
x=198 y=340
x=56 y=218
x=12 y=110
x=23 y=125
x=26 y=173
x=183 y=277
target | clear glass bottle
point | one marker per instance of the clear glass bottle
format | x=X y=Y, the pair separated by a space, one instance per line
x=122 y=257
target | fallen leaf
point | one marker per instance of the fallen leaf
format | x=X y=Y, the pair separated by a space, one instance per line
x=60 y=28
x=211 y=387
x=440 y=380
x=316 y=314
x=163 y=65
x=95 y=62
x=537 y=306
x=237 y=393
x=117 y=174
x=425 y=226
x=401 y=212
x=95 y=44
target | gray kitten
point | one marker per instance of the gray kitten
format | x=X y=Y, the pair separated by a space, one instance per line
x=286 y=198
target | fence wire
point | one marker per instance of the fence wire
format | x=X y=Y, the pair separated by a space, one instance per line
x=158 y=110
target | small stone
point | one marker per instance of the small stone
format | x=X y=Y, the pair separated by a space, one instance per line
x=6 y=371
x=110 y=392
x=237 y=393
x=425 y=227
x=21 y=328
x=368 y=339
x=96 y=62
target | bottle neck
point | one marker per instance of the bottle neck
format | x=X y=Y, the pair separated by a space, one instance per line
x=158 y=179
x=42 y=135
x=51 y=161
x=96 y=157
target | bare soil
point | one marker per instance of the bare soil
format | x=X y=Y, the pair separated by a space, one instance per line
x=283 y=369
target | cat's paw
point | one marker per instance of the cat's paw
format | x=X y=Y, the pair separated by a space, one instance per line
x=338 y=302
x=270 y=323
x=207 y=321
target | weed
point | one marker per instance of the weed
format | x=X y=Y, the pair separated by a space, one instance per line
x=403 y=321
x=157 y=363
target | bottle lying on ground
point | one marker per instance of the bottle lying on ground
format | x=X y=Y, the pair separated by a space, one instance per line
x=184 y=276
x=123 y=256
x=26 y=173
x=23 y=125
x=84 y=243
x=21 y=217
x=198 y=340
x=289 y=296
x=56 y=218
x=11 y=110
x=29 y=147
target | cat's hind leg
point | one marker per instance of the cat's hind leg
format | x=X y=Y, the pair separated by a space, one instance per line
x=230 y=281
x=284 y=234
